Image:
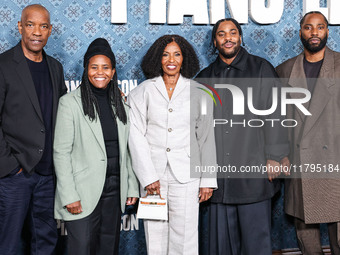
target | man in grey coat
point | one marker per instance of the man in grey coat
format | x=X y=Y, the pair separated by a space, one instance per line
x=312 y=194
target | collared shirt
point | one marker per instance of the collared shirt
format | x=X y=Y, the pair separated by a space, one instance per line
x=234 y=69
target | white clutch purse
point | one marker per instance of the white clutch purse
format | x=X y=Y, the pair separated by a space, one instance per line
x=152 y=207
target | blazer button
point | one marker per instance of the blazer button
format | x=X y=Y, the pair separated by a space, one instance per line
x=42 y=131
x=170 y=110
x=40 y=151
x=169 y=129
x=168 y=149
x=298 y=145
x=325 y=147
x=228 y=154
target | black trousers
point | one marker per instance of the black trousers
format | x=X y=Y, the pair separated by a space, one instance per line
x=98 y=233
x=32 y=197
x=241 y=229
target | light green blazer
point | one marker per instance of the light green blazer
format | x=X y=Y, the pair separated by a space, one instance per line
x=80 y=159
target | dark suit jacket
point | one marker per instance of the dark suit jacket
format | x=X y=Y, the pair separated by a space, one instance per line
x=22 y=130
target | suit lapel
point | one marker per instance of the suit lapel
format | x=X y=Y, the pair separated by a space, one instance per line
x=55 y=94
x=297 y=76
x=26 y=78
x=122 y=135
x=181 y=84
x=160 y=85
x=321 y=94
x=94 y=125
x=298 y=80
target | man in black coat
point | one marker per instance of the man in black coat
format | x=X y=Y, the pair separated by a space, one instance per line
x=30 y=86
x=240 y=210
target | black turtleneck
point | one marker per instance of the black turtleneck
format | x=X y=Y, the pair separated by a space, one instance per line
x=107 y=121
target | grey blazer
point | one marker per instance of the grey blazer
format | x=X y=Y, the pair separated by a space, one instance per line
x=315 y=141
x=80 y=159
x=173 y=132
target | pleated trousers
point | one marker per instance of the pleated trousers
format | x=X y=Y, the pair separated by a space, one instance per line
x=178 y=235
x=241 y=229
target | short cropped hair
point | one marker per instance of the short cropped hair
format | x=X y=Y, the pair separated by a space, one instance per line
x=217 y=24
x=312 y=12
x=152 y=61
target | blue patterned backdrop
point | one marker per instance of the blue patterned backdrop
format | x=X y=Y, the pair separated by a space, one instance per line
x=77 y=23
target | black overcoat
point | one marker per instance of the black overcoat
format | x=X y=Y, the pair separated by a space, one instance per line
x=241 y=146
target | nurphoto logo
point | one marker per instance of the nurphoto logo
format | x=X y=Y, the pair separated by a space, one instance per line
x=238 y=104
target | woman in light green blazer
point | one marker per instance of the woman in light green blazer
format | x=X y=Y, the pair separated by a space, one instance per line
x=92 y=161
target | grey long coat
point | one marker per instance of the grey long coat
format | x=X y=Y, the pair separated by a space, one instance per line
x=316 y=140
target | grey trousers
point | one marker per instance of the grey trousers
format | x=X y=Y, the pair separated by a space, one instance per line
x=178 y=235
x=308 y=236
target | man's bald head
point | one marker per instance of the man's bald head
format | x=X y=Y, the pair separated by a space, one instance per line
x=33 y=7
x=35 y=28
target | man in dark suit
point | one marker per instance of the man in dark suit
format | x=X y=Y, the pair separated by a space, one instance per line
x=30 y=86
x=312 y=194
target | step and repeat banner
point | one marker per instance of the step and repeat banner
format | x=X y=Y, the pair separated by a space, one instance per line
x=270 y=27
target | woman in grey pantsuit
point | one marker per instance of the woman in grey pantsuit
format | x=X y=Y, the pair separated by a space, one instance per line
x=166 y=136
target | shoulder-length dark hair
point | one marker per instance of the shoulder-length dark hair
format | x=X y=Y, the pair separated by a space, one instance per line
x=152 y=61
x=89 y=101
